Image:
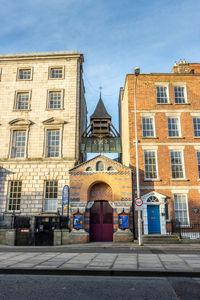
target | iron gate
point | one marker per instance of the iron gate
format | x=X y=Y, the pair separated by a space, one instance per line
x=44 y=229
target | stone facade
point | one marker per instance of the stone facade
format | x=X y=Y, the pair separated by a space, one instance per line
x=164 y=186
x=59 y=73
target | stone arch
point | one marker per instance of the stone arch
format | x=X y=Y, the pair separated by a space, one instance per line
x=96 y=178
x=100 y=191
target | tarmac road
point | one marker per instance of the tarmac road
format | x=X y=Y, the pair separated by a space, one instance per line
x=109 y=248
x=32 y=287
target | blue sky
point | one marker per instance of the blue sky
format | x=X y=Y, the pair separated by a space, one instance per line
x=115 y=36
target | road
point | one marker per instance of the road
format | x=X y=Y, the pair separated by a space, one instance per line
x=31 y=287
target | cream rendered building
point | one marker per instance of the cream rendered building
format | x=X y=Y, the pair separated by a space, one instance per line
x=42 y=115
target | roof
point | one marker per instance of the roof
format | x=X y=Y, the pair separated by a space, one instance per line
x=40 y=54
x=100 y=111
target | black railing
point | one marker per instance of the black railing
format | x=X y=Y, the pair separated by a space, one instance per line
x=185 y=231
x=21 y=222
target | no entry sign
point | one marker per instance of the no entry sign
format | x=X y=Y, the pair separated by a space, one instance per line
x=138 y=203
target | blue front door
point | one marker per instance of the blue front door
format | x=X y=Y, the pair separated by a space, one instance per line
x=153 y=218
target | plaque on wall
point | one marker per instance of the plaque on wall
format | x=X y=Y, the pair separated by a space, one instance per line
x=195 y=210
x=78 y=221
x=123 y=221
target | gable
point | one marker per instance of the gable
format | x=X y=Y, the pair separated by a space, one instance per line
x=100 y=163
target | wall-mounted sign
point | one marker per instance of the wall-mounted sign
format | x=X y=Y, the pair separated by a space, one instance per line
x=123 y=221
x=65 y=194
x=78 y=221
x=65 y=198
x=138 y=204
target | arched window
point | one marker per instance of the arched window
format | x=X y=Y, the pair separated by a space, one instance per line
x=88 y=169
x=152 y=199
x=99 y=166
x=110 y=168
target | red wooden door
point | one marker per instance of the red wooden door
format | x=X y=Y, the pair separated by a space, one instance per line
x=101 y=222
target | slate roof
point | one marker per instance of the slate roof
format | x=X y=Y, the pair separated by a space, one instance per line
x=100 y=111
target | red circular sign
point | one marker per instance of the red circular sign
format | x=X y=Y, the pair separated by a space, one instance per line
x=138 y=201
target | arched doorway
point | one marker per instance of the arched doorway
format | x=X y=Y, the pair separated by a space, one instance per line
x=101 y=213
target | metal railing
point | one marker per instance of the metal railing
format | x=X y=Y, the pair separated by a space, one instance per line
x=185 y=231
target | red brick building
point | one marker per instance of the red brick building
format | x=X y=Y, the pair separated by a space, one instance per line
x=168 y=123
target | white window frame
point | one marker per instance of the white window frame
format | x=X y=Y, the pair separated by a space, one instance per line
x=187 y=209
x=155 y=178
x=165 y=85
x=178 y=125
x=46 y=199
x=56 y=67
x=153 y=123
x=182 y=85
x=24 y=68
x=16 y=98
x=183 y=164
x=61 y=91
x=196 y=136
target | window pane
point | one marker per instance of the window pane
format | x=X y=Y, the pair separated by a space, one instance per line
x=150 y=168
x=25 y=74
x=15 y=195
x=196 y=124
x=55 y=100
x=22 y=101
x=53 y=140
x=173 y=127
x=179 y=94
x=56 y=73
x=147 y=127
x=180 y=206
x=177 y=164
x=18 y=145
x=51 y=195
x=162 y=94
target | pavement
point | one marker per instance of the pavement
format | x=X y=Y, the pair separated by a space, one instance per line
x=103 y=259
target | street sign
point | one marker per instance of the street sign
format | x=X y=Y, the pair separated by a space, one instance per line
x=138 y=204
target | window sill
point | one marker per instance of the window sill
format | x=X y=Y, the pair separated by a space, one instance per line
x=196 y=137
x=52 y=158
x=16 y=109
x=150 y=137
x=168 y=103
x=48 y=109
x=56 y=78
x=182 y=103
x=156 y=179
x=176 y=137
x=179 y=179
x=17 y=158
x=18 y=79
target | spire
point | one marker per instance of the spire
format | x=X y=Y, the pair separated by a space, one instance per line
x=100 y=111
